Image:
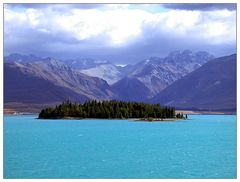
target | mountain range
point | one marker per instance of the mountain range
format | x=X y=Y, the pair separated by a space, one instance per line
x=153 y=75
x=35 y=80
x=212 y=86
x=22 y=81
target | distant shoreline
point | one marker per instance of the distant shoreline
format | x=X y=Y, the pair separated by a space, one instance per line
x=160 y=120
x=130 y=119
x=189 y=112
x=195 y=112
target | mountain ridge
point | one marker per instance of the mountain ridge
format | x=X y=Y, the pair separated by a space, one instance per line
x=157 y=73
x=141 y=82
x=55 y=74
x=212 y=86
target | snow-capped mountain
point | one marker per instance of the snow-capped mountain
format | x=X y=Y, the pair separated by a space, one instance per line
x=84 y=63
x=56 y=75
x=101 y=80
x=187 y=60
x=158 y=73
x=107 y=71
x=212 y=86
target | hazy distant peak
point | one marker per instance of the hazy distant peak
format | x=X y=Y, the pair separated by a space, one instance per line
x=102 y=62
x=189 y=56
x=16 y=57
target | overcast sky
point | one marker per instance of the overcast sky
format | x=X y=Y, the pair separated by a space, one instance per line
x=125 y=33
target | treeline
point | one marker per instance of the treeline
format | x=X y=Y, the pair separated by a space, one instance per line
x=107 y=109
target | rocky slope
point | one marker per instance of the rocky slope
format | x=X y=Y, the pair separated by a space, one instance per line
x=155 y=74
x=212 y=86
x=51 y=77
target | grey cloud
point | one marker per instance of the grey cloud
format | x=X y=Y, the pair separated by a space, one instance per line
x=201 y=6
x=152 y=43
x=62 y=45
x=55 y=6
x=157 y=42
x=55 y=44
x=26 y=5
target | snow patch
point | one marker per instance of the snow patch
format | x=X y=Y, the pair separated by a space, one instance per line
x=108 y=72
x=146 y=61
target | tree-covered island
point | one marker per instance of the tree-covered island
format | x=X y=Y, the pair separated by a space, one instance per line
x=109 y=110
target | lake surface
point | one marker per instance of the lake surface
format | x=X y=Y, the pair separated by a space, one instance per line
x=203 y=147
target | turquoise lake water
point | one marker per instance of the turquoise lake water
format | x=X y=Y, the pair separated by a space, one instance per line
x=203 y=147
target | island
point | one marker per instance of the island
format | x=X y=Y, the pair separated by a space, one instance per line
x=112 y=109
